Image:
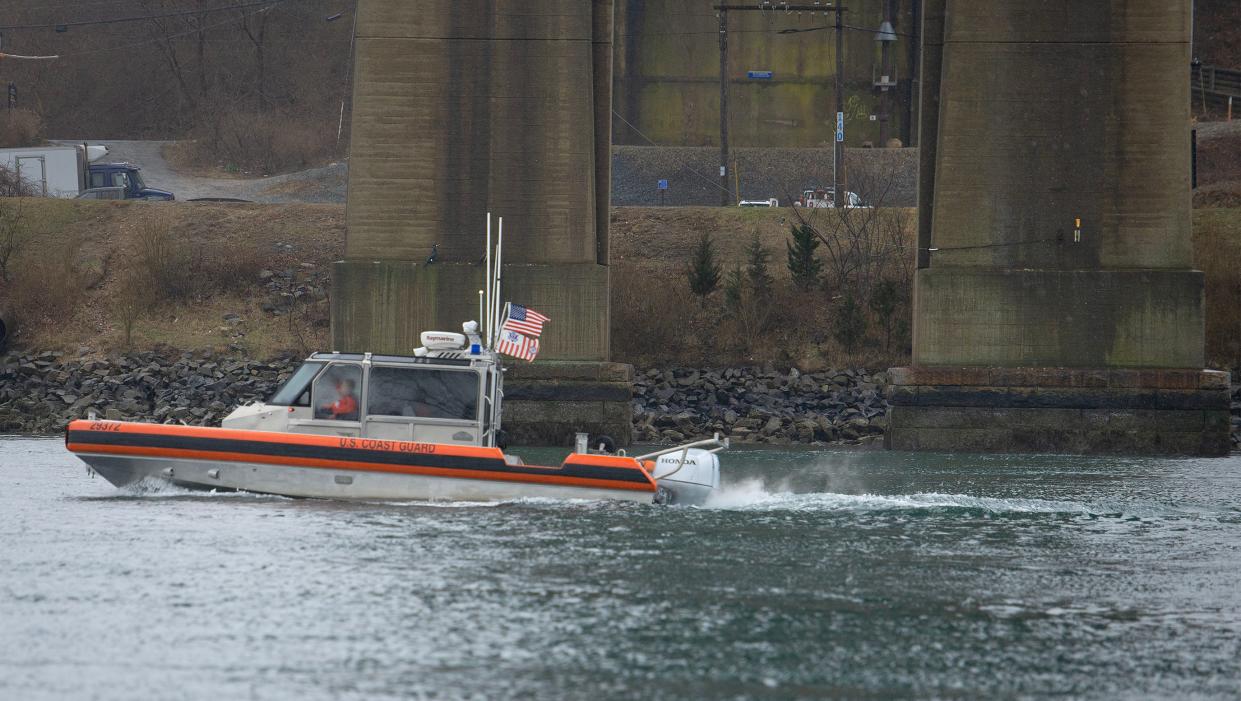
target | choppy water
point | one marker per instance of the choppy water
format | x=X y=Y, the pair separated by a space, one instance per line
x=861 y=575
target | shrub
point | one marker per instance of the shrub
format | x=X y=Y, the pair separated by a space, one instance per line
x=734 y=290
x=747 y=298
x=176 y=270
x=804 y=265
x=132 y=299
x=11 y=185
x=649 y=316
x=230 y=269
x=266 y=143
x=14 y=232
x=164 y=260
x=850 y=324
x=42 y=289
x=885 y=299
x=703 y=271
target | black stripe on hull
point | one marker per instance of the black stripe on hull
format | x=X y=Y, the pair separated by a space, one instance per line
x=355 y=455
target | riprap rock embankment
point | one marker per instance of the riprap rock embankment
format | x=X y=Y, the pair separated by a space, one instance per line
x=41 y=392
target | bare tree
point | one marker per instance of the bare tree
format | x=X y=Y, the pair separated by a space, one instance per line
x=131 y=301
x=255 y=28
x=14 y=232
x=867 y=241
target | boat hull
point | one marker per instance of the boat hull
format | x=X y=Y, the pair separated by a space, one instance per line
x=341 y=468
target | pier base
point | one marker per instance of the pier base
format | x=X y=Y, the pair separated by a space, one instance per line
x=1059 y=410
x=546 y=403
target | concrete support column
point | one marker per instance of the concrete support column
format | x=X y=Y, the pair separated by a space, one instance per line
x=463 y=107
x=1055 y=233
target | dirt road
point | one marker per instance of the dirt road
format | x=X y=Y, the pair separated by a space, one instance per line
x=324 y=185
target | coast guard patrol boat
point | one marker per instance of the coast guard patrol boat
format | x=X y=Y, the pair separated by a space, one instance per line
x=387 y=427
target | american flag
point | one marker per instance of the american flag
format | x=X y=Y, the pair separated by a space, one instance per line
x=525 y=321
x=517 y=345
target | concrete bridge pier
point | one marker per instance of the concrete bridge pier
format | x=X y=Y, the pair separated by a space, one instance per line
x=1056 y=306
x=462 y=107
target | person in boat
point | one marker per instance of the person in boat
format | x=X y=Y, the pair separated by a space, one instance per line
x=345 y=408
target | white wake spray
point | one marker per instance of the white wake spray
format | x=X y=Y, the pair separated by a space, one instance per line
x=755 y=495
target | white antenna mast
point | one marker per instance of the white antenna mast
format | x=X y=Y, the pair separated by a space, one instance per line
x=495 y=304
x=484 y=310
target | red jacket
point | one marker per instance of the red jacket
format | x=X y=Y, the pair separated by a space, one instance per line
x=345 y=406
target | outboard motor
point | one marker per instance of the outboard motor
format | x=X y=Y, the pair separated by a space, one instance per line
x=690 y=481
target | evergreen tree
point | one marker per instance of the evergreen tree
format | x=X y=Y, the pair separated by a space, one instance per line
x=850 y=324
x=804 y=265
x=757 y=271
x=703 y=271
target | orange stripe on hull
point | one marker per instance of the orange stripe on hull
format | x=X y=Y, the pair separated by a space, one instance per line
x=327 y=463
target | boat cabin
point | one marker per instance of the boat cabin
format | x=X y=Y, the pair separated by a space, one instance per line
x=438 y=396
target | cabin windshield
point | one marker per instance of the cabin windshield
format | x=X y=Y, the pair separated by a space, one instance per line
x=296 y=390
x=423 y=393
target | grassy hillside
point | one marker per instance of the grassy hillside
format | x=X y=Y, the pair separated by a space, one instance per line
x=255 y=278
x=67 y=278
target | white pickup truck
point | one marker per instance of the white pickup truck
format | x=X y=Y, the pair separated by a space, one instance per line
x=824 y=198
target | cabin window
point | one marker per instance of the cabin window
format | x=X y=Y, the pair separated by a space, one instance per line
x=337 y=393
x=98 y=180
x=423 y=393
x=296 y=390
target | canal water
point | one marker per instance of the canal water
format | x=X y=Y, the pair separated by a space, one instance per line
x=814 y=574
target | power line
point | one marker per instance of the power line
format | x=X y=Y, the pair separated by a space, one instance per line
x=6 y=57
x=137 y=18
x=684 y=164
x=1027 y=242
x=270 y=4
x=893 y=32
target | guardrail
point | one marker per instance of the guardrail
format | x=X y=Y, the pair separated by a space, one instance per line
x=1214 y=86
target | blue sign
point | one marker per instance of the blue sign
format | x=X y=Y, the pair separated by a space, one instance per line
x=840 y=126
x=663 y=184
x=759 y=75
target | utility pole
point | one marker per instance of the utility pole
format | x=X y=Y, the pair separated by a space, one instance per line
x=886 y=37
x=726 y=198
x=838 y=143
x=785 y=7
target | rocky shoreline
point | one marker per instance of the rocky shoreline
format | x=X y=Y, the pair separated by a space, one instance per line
x=760 y=405
x=41 y=392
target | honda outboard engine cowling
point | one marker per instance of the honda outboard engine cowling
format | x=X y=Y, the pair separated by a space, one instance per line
x=688 y=482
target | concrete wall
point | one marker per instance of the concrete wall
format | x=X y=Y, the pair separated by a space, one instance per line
x=1062 y=110
x=667 y=75
x=1049 y=113
x=1054 y=318
x=463 y=107
x=447 y=126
